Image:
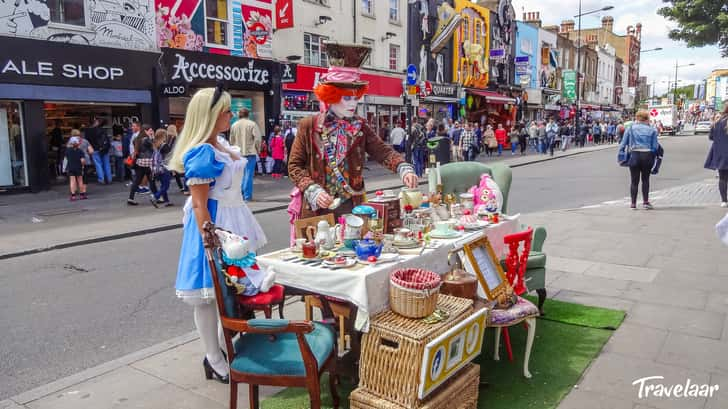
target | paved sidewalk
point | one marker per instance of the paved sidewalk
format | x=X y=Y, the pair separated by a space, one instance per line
x=47 y=220
x=665 y=267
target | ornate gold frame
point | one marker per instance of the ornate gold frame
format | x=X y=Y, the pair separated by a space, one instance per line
x=483 y=242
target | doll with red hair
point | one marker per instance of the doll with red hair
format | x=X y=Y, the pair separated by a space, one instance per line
x=327 y=158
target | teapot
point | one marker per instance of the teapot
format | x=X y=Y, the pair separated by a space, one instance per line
x=412 y=197
x=326 y=235
x=367 y=247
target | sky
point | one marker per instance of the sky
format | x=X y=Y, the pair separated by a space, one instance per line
x=657 y=66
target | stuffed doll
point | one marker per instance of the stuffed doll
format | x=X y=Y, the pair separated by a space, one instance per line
x=487 y=195
x=242 y=268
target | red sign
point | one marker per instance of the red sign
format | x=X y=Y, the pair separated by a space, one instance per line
x=284 y=14
x=428 y=88
x=379 y=85
x=654 y=112
x=259 y=33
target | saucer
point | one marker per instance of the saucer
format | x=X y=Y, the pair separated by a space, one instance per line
x=330 y=264
x=384 y=258
x=477 y=225
x=406 y=244
x=449 y=235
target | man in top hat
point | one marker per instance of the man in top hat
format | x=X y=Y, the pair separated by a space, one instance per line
x=328 y=155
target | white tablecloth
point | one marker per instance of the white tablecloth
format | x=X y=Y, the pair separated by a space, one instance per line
x=367 y=287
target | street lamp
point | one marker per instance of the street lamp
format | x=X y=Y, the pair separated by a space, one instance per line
x=651 y=49
x=674 y=93
x=578 y=60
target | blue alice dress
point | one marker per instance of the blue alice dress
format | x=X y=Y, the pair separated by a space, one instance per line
x=206 y=165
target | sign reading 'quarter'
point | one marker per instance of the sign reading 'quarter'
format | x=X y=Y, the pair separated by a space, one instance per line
x=202 y=69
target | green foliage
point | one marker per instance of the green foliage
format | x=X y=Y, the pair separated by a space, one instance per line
x=701 y=22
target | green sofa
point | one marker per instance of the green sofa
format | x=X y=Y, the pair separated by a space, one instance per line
x=458 y=177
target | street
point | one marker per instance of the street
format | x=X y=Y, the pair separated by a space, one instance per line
x=67 y=310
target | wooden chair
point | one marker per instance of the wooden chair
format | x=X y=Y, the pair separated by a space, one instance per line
x=523 y=310
x=340 y=308
x=270 y=352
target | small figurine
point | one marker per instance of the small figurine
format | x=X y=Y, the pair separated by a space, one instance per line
x=487 y=195
x=243 y=269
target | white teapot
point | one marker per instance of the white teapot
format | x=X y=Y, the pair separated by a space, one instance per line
x=326 y=235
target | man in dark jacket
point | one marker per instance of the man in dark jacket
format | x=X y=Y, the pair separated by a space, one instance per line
x=99 y=139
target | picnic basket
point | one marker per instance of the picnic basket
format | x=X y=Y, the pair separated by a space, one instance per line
x=413 y=292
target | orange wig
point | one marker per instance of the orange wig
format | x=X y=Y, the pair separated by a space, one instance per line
x=331 y=94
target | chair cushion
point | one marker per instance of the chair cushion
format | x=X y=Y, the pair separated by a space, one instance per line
x=273 y=296
x=536 y=259
x=257 y=354
x=522 y=309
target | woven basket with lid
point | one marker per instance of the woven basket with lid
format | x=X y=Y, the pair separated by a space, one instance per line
x=413 y=292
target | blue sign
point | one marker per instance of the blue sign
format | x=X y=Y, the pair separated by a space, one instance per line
x=497 y=53
x=411 y=74
x=522 y=59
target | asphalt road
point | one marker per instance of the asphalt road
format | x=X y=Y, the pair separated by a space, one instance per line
x=67 y=310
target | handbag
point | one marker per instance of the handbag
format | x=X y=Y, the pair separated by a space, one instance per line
x=624 y=156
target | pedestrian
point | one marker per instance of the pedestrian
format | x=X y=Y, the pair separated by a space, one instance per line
x=500 y=137
x=641 y=141
x=455 y=134
x=99 y=138
x=597 y=133
x=160 y=173
x=491 y=144
x=552 y=131
x=718 y=154
x=430 y=129
x=620 y=131
x=611 y=132
x=398 y=136
x=178 y=177
x=541 y=138
x=555 y=143
x=477 y=130
x=277 y=152
x=583 y=134
x=263 y=159
x=523 y=138
x=419 y=148
x=117 y=155
x=245 y=134
x=468 y=143
x=143 y=157
x=514 y=135
x=290 y=137
x=211 y=166
x=567 y=133
x=533 y=134
x=57 y=148
x=75 y=161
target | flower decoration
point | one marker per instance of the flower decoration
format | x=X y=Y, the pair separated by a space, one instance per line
x=176 y=31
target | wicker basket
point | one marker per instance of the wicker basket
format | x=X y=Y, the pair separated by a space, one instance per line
x=392 y=350
x=459 y=392
x=413 y=292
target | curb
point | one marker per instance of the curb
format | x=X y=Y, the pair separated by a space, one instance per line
x=175 y=226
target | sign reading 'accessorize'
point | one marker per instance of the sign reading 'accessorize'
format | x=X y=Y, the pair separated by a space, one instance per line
x=204 y=69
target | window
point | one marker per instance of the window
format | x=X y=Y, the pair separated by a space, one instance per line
x=394 y=10
x=313 y=50
x=393 y=57
x=367 y=7
x=216 y=22
x=67 y=12
x=370 y=43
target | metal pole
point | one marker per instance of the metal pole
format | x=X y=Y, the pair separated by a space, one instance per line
x=578 y=75
x=674 y=92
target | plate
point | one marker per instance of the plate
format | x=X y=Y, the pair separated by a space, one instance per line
x=384 y=258
x=410 y=244
x=451 y=235
x=330 y=264
x=476 y=226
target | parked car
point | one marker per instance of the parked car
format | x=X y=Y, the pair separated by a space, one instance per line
x=702 y=127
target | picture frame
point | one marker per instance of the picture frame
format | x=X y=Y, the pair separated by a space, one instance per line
x=479 y=259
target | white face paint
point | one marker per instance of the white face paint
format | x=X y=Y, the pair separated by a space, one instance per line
x=346 y=107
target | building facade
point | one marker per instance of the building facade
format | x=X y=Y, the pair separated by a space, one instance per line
x=605 y=74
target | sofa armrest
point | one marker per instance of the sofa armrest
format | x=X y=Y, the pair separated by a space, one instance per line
x=539 y=237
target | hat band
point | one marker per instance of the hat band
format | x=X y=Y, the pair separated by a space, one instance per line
x=341 y=74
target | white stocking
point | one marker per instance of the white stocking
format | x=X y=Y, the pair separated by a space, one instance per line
x=206 y=322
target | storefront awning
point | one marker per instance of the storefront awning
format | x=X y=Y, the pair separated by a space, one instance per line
x=493 y=97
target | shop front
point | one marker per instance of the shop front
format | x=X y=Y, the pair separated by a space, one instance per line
x=46 y=90
x=442 y=103
x=251 y=83
x=490 y=107
x=382 y=107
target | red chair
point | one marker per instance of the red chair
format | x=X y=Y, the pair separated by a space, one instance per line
x=265 y=301
x=519 y=247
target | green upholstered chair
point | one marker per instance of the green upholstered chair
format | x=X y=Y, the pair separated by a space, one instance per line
x=458 y=177
x=272 y=352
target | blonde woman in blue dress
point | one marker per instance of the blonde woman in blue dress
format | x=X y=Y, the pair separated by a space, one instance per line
x=213 y=170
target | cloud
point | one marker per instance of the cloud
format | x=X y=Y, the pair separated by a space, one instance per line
x=657 y=66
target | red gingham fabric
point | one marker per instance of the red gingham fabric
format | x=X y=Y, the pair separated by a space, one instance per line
x=416 y=279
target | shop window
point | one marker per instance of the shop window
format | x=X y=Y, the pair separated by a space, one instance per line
x=393 y=57
x=370 y=43
x=313 y=50
x=67 y=12
x=367 y=7
x=216 y=22
x=394 y=11
x=12 y=146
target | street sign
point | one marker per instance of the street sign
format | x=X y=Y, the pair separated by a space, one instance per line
x=570 y=85
x=654 y=112
x=413 y=89
x=522 y=59
x=411 y=74
x=497 y=53
x=426 y=88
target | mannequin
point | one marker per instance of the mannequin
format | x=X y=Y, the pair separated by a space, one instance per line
x=328 y=156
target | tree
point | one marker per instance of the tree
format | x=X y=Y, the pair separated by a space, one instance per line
x=701 y=22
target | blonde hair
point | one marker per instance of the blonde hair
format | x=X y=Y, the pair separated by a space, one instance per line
x=200 y=123
x=160 y=137
x=172 y=130
x=75 y=132
x=642 y=115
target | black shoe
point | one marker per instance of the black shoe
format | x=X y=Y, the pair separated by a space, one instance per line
x=210 y=373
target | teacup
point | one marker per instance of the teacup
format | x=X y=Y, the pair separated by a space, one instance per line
x=402 y=234
x=444 y=227
x=388 y=193
x=299 y=244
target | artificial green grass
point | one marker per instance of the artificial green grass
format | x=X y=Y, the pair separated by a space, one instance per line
x=567 y=339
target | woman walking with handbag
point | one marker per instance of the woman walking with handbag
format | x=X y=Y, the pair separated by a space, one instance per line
x=143 y=158
x=637 y=150
x=718 y=154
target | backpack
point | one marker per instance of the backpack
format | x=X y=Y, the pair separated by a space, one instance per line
x=157 y=163
x=104 y=144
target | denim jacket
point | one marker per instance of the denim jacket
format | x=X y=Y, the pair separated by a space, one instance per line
x=640 y=136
